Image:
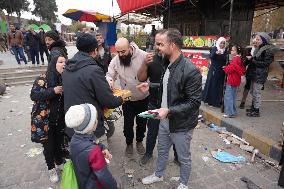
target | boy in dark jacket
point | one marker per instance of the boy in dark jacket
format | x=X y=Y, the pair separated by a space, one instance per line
x=89 y=158
x=50 y=136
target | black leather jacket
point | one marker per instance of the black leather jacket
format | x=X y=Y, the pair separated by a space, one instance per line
x=184 y=95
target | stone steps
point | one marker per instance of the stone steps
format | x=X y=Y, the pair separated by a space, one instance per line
x=21 y=76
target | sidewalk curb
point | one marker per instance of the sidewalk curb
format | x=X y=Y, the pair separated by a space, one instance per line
x=266 y=145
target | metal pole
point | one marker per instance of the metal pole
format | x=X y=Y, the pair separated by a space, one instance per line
x=231 y=17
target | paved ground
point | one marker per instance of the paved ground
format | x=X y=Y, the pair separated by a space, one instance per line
x=19 y=171
x=9 y=60
x=272 y=111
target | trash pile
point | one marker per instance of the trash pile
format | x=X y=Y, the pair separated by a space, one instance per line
x=230 y=138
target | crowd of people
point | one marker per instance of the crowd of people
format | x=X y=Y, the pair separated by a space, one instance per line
x=21 y=41
x=254 y=65
x=70 y=98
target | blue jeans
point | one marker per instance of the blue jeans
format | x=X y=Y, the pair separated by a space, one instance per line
x=19 y=51
x=230 y=99
x=152 y=133
x=182 y=144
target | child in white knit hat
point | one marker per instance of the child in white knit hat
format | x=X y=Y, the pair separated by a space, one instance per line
x=89 y=158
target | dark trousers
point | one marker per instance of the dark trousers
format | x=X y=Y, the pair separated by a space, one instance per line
x=130 y=111
x=152 y=134
x=52 y=148
x=42 y=50
x=34 y=55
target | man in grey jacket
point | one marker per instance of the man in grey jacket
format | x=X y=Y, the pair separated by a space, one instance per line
x=125 y=65
x=180 y=101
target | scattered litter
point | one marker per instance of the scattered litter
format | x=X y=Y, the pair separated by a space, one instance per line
x=23 y=145
x=6 y=97
x=226 y=141
x=216 y=128
x=49 y=188
x=205 y=158
x=226 y=157
x=250 y=184
x=235 y=167
x=240 y=139
x=201 y=119
x=174 y=179
x=205 y=149
x=8 y=88
x=246 y=148
x=197 y=126
x=10 y=134
x=19 y=113
x=129 y=171
x=19 y=130
x=27 y=84
x=14 y=101
x=130 y=176
x=34 y=152
x=254 y=153
x=8 y=117
x=12 y=110
x=233 y=140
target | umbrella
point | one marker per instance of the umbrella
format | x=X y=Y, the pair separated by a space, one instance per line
x=45 y=27
x=33 y=26
x=88 y=16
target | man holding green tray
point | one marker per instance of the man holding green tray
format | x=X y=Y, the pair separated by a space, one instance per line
x=180 y=102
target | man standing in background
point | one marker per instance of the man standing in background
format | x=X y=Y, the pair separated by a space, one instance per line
x=42 y=46
x=15 y=40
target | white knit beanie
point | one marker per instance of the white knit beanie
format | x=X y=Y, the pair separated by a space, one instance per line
x=82 y=118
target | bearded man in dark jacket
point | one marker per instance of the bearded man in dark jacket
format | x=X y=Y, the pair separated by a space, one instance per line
x=84 y=81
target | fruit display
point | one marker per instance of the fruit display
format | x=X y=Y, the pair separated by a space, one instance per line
x=199 y=41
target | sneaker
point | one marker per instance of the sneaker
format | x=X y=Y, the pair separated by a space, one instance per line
x=129 y=149
x=53 y=177
x=182 y=186
x=152 y=179
x=140 y=148
x=145 y=159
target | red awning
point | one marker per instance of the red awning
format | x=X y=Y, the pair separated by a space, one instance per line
x=134 y=5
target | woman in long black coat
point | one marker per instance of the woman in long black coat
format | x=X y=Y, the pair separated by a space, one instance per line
x=212 y=93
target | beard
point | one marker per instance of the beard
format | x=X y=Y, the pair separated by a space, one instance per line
x=125 y=60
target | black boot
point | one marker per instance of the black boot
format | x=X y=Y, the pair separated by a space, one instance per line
x=250 y=109
x=242 y=105
x=254 y=113
x=245 y=94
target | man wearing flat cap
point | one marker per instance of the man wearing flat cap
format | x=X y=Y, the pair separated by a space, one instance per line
x=84 y=81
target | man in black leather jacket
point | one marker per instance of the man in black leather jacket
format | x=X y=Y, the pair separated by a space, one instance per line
x=180 y=102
